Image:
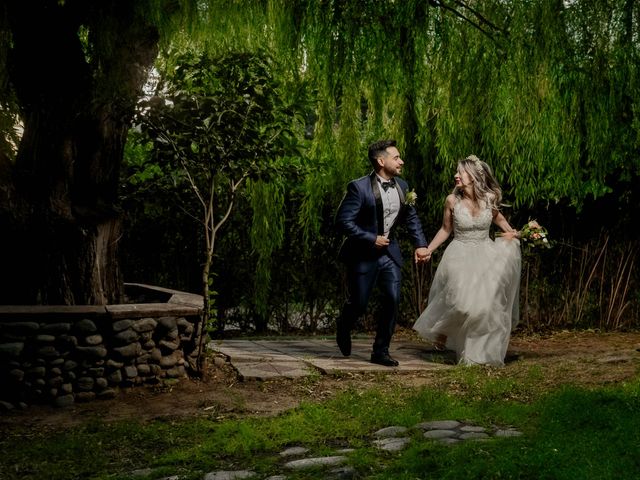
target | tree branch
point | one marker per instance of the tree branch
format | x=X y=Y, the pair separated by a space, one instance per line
x=480 y=16
x=234 y=187
x=439 y=3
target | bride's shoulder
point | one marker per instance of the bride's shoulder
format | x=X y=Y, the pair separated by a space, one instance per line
x=451 y=200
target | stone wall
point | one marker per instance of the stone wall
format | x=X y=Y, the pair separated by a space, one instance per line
x=66 y=354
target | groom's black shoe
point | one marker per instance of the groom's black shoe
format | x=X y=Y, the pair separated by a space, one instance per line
x=343 y=337
x=384 y=359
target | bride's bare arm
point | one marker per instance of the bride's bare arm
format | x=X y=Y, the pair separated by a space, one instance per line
x=447 y=225
x=508 y=231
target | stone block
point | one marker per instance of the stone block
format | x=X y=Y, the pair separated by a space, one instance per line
x=66 y=388
x=172 y=334
x=169 y=345
x=20 y=328
x=115 y=378
x=156 y=356
x=68 y=341
x=146 y=336
x=55 y=328
x=128 y=351
x=70 y=365
x=55 y=382
x=170 y=360
x=11 y=350
x=48 y=351
x=86 y=326
x=166 y=324
x=126 y=337
x=96 y=372
x=64 y=401
x=45 y=338
x=107 y=393
x=145 y=325
x=93 y=352
x=176 y=372
x=37 y=371
x=113 y=364
x=85 y=384
x=122 y=325
x=93 y=340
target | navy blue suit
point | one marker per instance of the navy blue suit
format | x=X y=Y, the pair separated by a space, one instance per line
x=359 y=219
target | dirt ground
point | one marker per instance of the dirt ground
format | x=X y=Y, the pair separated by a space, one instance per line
x=582 y=358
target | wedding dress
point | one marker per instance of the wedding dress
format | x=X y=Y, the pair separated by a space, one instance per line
x=473 y=298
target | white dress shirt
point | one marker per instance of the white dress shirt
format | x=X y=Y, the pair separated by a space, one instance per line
x=390 y=204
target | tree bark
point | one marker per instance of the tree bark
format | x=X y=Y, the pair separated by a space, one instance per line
x=60 y=218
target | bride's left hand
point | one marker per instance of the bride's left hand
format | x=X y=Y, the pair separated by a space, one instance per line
x=510 y=235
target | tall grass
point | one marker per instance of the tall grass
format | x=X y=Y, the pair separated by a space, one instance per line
x=594 y=286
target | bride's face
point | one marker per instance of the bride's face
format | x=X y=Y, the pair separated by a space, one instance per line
x=462 y=178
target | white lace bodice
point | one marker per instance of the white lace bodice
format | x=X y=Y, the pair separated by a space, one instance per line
x=467 y=227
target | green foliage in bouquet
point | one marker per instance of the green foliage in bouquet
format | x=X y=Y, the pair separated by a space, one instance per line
x=532 y=234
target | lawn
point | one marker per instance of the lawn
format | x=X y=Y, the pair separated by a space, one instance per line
x=570 y=430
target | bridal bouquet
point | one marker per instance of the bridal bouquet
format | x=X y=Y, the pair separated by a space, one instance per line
x=533 y=234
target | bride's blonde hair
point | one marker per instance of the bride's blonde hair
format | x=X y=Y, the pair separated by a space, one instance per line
x=485 y=186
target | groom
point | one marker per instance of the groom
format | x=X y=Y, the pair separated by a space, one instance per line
x=368 y=216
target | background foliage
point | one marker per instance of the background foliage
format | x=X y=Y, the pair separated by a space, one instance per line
x=547 y=92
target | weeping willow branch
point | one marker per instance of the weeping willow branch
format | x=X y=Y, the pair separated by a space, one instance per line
x=482 y=18
x=440 y=3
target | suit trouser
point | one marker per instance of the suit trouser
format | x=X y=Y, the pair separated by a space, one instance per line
x=387 y=276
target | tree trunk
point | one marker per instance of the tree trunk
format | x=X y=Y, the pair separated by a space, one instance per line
x=60 y=220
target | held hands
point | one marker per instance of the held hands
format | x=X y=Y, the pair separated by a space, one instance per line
x=422 y=255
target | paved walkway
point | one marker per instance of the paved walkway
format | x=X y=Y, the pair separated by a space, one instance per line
x=268 y=359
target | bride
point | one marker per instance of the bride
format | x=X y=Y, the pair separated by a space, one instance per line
x=473 y=300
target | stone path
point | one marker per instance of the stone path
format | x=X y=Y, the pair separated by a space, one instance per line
x=390 y=439
x=268 y=359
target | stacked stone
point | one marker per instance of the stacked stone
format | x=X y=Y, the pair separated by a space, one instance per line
x=147 y=349
x=63 y=358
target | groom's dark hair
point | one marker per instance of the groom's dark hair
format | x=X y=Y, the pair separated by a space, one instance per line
x=376 y=149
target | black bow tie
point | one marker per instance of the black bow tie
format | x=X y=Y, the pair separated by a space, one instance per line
x=391 y=183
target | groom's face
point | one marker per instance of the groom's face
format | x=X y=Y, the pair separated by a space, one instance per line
x=391 y=163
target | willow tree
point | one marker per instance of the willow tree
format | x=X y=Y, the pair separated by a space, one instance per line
x=547 y=91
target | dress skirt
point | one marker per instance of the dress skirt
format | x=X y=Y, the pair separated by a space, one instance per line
x=473 y=299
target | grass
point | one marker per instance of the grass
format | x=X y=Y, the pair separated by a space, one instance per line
x=569 y=432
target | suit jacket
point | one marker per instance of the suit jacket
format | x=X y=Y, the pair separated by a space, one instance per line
x=359 y=218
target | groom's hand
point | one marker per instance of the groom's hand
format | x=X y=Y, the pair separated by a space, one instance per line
x=422 y=255
x=382 y=242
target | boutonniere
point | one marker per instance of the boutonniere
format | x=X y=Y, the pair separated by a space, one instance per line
x=411 y=198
